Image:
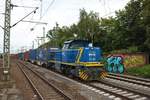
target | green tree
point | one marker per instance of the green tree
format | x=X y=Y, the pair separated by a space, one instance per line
x=58 y=35
x=88 y=25
x=129 y=29
x=146 y=21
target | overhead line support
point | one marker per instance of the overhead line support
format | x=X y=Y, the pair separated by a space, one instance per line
x=6 y=48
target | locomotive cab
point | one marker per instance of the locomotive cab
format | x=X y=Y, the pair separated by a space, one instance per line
x=75 y=44
x=78 y=58
x=83 y=51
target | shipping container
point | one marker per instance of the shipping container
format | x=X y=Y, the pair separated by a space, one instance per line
x=26 y=56
x=33 y=55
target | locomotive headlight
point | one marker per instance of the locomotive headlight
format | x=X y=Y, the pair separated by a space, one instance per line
x=90 y=45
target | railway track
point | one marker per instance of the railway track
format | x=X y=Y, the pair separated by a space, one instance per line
x=130 y=79
x=101 y=91
x=43 y=89
x=118 y=92
x=140 y=85
x=126 y=87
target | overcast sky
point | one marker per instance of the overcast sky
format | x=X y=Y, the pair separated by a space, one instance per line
x=65 y=12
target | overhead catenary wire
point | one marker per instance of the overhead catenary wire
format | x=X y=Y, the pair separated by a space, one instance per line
x=24 y=17
x=35 y=22
x=41 y=16
x=1 y=19
x=30 y=17
x=21 y=2
x=41 y=8
x=51 y=3
x=108 y=6
x=2 y=27
x=21 y=6
x=104 y=4
x=2 y=13
x=106 y=14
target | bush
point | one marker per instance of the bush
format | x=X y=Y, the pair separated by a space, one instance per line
x=143 y=71
x=132 y=49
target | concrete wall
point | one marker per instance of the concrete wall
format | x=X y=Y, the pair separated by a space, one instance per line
x=132 y=59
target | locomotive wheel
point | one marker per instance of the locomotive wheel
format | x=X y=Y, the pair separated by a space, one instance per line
x=67 y=71
x=63 y=68
x=44 y=65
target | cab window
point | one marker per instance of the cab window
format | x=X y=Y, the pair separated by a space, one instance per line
x=66 y=46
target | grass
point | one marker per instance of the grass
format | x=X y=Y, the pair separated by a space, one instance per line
x=143 y=71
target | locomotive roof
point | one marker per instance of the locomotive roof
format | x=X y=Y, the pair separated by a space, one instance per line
x=76 y=41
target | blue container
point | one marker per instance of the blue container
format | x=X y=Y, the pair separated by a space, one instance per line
x=20 y=56
x=33 y=54
x=49 y=56
x=42 y=55
x=54 y=54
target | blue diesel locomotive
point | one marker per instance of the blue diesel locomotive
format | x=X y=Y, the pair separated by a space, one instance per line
x=77 y=58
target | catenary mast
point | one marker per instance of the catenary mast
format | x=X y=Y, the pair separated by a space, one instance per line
x=6 y=48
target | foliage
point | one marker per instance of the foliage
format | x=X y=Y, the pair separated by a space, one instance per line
x=128 y=50
x=129 y=31
x=88 y=25
x=58 y=35
x=86 y=28
x=146 y=21
x=140 y=71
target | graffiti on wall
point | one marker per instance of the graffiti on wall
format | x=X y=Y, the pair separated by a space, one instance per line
x=115 y=64
x=134 y=60
x=131 y=60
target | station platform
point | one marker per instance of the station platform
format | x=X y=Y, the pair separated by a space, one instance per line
x=8 y=91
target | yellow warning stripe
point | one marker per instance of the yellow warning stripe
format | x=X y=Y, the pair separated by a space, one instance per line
x=80 y=54
x=103 y=74
x=83 y=75
x=86 y=76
